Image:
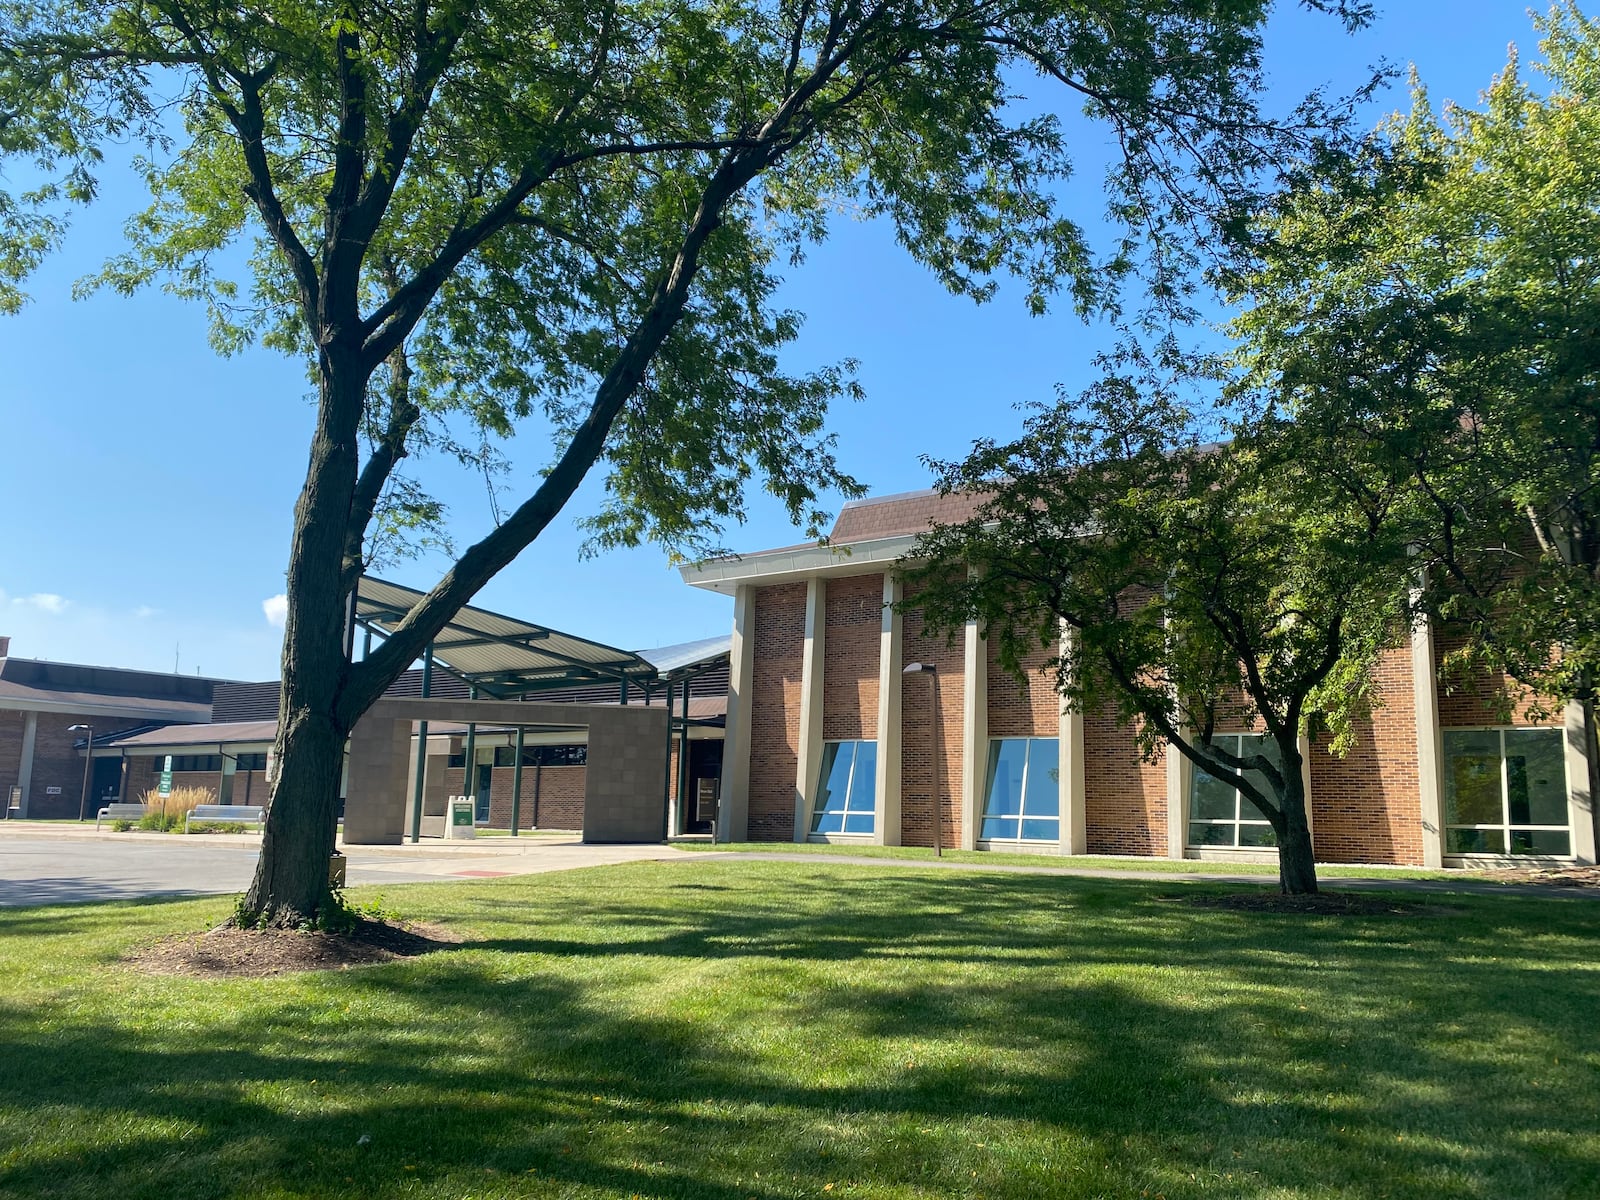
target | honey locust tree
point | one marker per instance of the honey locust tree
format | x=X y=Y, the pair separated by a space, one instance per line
x=567 y=215
x=1438 y=301
x=1188 y=588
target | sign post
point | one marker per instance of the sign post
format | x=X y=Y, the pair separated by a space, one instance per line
x=165 y=787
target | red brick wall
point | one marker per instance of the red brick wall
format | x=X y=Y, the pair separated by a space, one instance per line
x=930 y=747
x=1485 y=697
x=1366 y=807
x=10 y=752
x=559 y=791
x=1022 y=710
x=144 y=775
x=850 y=658
x=55 y=762
x=779 y=622
x=1125 y=797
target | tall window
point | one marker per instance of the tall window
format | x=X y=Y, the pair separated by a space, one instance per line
x=1220 y=814
x=1505 y=792
x=847 y=791
x=1024 y=797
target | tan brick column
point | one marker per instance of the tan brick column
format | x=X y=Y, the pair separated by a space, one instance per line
x=886 y=830
x=1072 y=782
x=733 y=809
x=808 y=761
x=1180 y=772
x=1430 y=753
x=974 y=732
x=1582 y=805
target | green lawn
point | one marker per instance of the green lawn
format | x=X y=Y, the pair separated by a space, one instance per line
x=732 y=1029
x=1099 y=862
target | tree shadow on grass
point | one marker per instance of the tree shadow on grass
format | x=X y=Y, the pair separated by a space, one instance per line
x=1018 y=1038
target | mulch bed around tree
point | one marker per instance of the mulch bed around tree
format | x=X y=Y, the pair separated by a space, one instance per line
x=226 y=951
x=1323 y=904
x=1584 y=877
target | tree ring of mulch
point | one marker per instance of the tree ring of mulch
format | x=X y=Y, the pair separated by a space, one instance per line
x=231 y=952
x=1321 y=904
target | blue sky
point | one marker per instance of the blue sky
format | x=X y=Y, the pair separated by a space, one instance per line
x=148 y=484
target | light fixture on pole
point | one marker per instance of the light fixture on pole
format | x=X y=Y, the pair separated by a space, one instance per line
x=88 y=757
x=932 y=671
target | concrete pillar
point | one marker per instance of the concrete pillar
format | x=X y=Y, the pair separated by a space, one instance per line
x=1305 y=785
x=887 y=827
x=733 y=813
x=377 y=798
x=974 y=732
x=1180 y=773
x=1430 y=748
x=1582 y=803
x=1073 y=788
x=30 y=732
x=808 y=762
x=230 y=768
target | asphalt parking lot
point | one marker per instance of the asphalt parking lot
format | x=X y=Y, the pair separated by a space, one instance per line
x=71 y=869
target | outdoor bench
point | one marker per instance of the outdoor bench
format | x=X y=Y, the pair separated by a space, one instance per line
x=236 y=814
x=119 y=812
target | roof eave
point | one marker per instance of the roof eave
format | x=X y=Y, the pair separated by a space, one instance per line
x=782 y=566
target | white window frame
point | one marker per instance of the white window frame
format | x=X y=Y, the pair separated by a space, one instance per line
x=812 y=835
x=1019 y=841
x=1505 y=826
x=1238 y=819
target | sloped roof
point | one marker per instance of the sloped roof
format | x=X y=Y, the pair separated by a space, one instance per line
x=684 y=656
x=502 y=656
x=220 y=734
x=106 y=691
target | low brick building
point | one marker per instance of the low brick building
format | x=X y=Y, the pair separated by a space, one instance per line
x=829 y=740
x=49 y=711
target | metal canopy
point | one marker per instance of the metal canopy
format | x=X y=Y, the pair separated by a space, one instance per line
x=502 y=656
x=687 y=659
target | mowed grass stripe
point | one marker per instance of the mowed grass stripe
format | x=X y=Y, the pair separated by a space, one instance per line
x=762 y=1029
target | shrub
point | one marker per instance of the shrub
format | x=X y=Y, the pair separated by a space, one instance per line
x=167 y=815
x=121 y=826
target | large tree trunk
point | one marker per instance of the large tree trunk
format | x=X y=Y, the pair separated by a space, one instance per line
x=1297 y=863
x=291 y=881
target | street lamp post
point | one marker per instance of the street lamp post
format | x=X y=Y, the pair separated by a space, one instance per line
x=932 y=671
x=88 y=758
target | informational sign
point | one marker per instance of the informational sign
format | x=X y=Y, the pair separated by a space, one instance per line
x=165 y=787
x=52 y=791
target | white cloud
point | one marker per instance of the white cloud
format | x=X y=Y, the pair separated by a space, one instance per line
x=277 y=609
x=44 y=601
x=144 y=612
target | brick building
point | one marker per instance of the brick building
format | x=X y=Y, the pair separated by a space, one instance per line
x=828 y=739
x=50 y=710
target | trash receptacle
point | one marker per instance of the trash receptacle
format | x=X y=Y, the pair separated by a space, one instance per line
x=336 y=866
x=461 y=818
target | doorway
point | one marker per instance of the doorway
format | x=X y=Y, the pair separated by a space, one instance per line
x=105 y=781
x=482 y=786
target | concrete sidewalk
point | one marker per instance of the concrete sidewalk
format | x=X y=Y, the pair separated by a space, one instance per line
x=38 y=869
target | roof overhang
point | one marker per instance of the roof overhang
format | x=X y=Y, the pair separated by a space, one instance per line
x=502 y=657
x=796 y=563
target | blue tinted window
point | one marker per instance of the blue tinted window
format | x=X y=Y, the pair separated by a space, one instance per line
x=1023 y=799
x=846 y=788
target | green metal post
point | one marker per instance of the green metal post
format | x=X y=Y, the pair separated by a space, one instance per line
x=422 y=749
x=469 y=777
x=516 y=787
x=623 y=695
x=683 y=751
x=666 y=782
